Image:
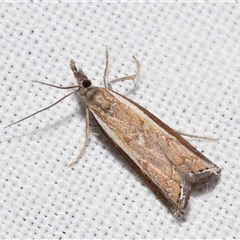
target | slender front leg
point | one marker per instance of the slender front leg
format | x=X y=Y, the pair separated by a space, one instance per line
x=85 y=141
x=108 y=84
x=105 y=76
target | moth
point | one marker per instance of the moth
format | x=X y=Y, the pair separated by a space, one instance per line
x=168 y=164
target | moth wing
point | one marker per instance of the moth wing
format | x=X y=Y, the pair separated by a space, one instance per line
x=171 y=168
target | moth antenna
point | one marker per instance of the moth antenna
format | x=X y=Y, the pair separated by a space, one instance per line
x=43 y=109
x=50 y=85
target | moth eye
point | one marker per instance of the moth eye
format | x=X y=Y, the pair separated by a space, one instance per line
x=86 y=83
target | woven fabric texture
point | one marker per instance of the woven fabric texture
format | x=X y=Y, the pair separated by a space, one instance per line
x=190 y=62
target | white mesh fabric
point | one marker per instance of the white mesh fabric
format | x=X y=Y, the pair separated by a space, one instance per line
x=189 y=55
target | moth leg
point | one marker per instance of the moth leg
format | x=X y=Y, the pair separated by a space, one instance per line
x=105 y=76
x=108 y=84
x=194 y=136
x=85 y=141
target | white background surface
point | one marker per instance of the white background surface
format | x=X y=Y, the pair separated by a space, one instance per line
x=190 y=63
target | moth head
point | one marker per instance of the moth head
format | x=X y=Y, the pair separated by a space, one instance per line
x=82 y=80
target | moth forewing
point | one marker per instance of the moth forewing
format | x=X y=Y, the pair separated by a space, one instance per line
x=167 y=162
